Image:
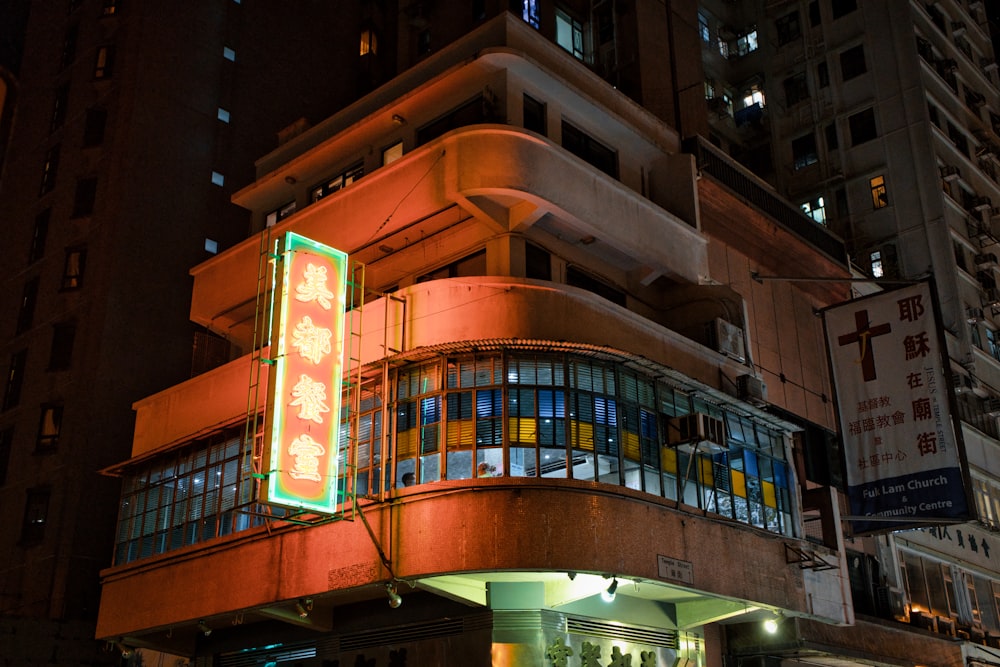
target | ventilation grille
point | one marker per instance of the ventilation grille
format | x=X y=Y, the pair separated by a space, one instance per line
x=582 y=626
x=402 y=634
x=263 y=656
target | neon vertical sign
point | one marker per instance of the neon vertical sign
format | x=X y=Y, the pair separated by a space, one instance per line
x=304 y=436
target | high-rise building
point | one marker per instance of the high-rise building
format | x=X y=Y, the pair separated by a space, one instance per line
x=881 y=120
x=130 y=127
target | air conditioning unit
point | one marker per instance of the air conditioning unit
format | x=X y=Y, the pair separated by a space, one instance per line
x=973 y=315
x=981 y=204
x=991 y=406
x=727 y=338
x=697 y=432
x=988 y=64
x=751 y=389
x=957 y=28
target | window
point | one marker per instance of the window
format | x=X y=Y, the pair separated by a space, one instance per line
x=6 y=442
x=862 y=127
x=958 y=138
x=49 y=427
x=932 y=113
x=816 y=209
x=569 y=34
x=229 y=54
x=753 y=95
x=804 y=151
x=852 y=62
x=218 y=179
x=470 y=113
x=703 y=29
x=537 y=262
x=470 y=265
x=222 y=115
x=59 y=107
x=424 y=42
x=369 y=43
x=15 y=378
x=534 y=115
x=279 y=213
x=26 y=312
x=392 y=153
x=796 y=89
x=880 y=199
x=49 y=169
x=814 y=16
x=36 y=513
x=875 y=261
x=69 y=47
x=528 y=9
x=38 y=236
x=788 y=28
x=76 y=259
x=823 y=74
x=585 y=147
x=831 y=136
x=337 y=183
x=86 y=194
x=842 y=8
x=744 y=44
x=61 y=352
x=211 y=246
x=93 y=127
x=579 y=278
x=105 y=62
x=110 y=8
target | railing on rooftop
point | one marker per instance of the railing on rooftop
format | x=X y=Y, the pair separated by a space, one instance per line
x=725 y=170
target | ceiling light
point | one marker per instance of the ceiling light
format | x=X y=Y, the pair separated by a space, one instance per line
x=303 y=607
x=394 y=599
x=204 y=627
x=609 y=594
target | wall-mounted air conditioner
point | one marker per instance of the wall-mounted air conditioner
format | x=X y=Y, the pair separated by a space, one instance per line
x=728 y=339
x=697 y=431
x=751 y=389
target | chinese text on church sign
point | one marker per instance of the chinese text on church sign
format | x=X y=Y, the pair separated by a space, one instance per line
x=904 y=465
x=301 y=453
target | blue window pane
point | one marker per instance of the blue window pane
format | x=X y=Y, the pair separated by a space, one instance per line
x=750 y=463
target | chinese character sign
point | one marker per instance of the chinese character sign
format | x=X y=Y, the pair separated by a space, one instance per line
x=900 y=444
x=302 y=451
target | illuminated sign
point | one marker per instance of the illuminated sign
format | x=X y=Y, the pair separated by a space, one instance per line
x=901 y=445
x=302 y=446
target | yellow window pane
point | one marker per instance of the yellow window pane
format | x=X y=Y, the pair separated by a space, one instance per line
x=582 y=435
x=770 y=498
x=522 y=430
x=631 y=444
x=668 y=459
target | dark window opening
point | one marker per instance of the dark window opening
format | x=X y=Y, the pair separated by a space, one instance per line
x=29 y=298
x=823 y=75
x=93 y=127
x=61 y=352
x=788 y=28
x=814 y=16
x=534 y=115
x=49 y=169
x=37 y=249
x=852 y=62
x=86 y=195
x=69 y=46
x=59 y=107
x=796 y=89
x=585 y=147
x=104 y=62
x=862 y=127
x=36 y=514
x=841 y=8
x=472 y=112
x=831 y=137
x=579 y=278
x=537 y=262
x=331 y=185
x=15 y=379
x=6 y=442
x=804 y=151
x=470 y=265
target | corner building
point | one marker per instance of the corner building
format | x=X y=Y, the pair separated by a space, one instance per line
x=558 y=334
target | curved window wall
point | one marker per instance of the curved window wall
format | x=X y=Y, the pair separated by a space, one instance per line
x=513 y=414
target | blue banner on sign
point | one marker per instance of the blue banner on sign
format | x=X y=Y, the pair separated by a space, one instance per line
x=922 y=497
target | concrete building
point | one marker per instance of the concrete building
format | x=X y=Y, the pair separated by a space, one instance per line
x=881 y=120
x=129 y=128
x=562 y=381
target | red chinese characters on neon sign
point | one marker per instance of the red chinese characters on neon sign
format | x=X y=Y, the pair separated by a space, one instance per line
x=303 y=442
